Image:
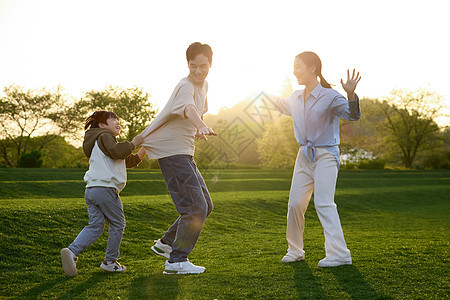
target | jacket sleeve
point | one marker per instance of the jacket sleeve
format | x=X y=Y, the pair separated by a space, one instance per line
x=109 y=145
x=282 y=105
x=346 y=109
x=132 y=160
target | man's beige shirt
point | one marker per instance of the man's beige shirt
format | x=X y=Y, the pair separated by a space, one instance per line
x=171 y=133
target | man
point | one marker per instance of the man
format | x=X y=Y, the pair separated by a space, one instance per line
x=170 y=139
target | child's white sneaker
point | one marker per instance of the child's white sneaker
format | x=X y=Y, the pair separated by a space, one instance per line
x=162 y=249
x=69 y=262
x=112 y=266
x=184 y=267
x=326 y=262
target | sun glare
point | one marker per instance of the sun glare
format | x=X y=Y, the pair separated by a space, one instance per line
x=85 y=45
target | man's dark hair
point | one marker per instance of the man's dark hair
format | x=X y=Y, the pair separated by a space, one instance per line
x=197 y=48
x=100 y=116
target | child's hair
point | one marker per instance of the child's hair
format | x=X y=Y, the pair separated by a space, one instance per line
x=100 y=116
x=197 y=48
x=312 y=59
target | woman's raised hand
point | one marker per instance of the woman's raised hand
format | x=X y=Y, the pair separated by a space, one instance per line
x=350 y=85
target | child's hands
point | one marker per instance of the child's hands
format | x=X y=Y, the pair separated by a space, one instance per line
x=141 y=153
x=137 y=140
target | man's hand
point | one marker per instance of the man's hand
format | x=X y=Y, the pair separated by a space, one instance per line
x=351 y=84
x=203 y=132
x=137 y=140
x=200 y=136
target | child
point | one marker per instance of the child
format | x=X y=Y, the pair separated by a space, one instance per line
x=105 y=178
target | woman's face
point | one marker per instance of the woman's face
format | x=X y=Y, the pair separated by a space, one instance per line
x=302 y=72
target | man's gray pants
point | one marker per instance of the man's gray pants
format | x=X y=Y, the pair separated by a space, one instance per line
x=103 y=203
x=192 y=201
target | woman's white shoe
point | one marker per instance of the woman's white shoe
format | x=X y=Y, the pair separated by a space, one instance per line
x=334 y=263
x=291 y=257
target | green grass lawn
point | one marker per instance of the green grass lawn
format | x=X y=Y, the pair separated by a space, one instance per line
x=396 y=225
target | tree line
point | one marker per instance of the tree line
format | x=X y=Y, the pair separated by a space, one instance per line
x=397 y=131
x=40 y=123
x=40 y=128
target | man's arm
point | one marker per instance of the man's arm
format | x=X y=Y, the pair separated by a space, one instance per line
x=205 y=108
x=192 y=115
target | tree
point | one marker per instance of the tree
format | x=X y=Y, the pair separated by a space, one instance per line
x=27 y=113
x=278 y=147
x=365 y=133
x=287 y=90
x=132 y=105
x=409 y=124
x=60 y=154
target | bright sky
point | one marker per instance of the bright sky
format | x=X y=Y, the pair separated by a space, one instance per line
x=90 y=44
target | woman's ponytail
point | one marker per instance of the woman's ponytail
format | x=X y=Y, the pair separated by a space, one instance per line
x=323 y=82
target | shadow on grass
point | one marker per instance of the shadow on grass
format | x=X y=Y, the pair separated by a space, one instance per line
x=353 y=283
x=307 y=285
x=39 y=289
x=349 y=278
x=86 y=285
x=156 y=286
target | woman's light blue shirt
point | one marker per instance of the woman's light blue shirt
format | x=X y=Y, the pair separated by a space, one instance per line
x=316 y=120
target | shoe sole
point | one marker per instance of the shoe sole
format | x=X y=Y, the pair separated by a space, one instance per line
x=182 y=273
x=298 y=259
x=160 y=252
x=335 y=265
x=291 y=261
x=68 y=264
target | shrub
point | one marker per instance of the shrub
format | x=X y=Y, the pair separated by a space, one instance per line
x=437 y=159
x=348 y=166
x=373 y=164
x=30 y=160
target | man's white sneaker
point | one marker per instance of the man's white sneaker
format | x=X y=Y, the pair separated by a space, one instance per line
x=184 y=267
x=291 y=257
x=112 y=266
x=69 y=262
x=334 y=263
x=162 y=249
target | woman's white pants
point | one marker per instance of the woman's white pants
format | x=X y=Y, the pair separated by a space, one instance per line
x=318 y=176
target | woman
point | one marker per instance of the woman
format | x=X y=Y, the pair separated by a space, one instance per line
x=315 y=113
